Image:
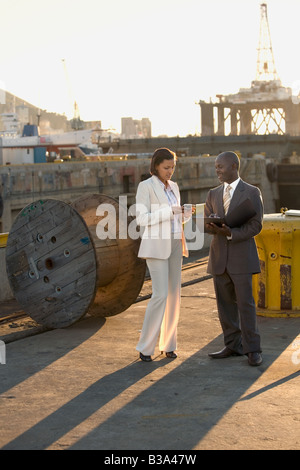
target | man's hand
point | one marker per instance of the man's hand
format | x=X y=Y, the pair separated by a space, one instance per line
x=215 y=229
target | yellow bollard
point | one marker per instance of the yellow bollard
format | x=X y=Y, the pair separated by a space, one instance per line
x=276 y=289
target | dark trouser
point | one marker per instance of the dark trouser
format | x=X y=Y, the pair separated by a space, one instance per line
x=237 y=312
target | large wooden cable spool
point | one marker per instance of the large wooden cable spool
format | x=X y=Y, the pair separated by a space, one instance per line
x=59 y=270
x=51 y=263
x=120 y=273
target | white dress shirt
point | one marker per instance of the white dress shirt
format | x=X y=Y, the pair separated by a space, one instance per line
x=233 y=186
x=172 y=200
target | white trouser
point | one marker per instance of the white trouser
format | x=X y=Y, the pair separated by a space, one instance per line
x=162 y=313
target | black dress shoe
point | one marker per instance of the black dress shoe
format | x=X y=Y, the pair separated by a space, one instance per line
x=254 y=359
x=145 y=358
x=171 y=355
x=225 y=352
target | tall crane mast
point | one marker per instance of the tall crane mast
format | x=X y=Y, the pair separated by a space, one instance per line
x=76 y=122
x=265 y=70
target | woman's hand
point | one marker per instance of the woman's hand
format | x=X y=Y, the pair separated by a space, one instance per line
x=187 y=209
x=177 y=210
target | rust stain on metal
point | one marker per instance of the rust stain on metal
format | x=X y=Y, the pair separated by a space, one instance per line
x=285 y=287
x=261 y=301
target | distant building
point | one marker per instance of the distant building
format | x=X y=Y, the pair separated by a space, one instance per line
x=24 y=113
x=9 y=124
x=136 y=128
x=93 y=125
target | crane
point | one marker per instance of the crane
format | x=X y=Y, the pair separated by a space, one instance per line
x=265 y=69
x=76 y=122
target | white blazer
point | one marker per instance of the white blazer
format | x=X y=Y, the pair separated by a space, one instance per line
x=154 y=216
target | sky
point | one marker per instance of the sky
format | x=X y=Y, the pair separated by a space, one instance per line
x=140 y=58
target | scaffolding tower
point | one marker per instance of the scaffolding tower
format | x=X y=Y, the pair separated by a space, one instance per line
x=267 y=107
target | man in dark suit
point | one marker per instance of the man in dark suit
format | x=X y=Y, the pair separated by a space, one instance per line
x=233 y=259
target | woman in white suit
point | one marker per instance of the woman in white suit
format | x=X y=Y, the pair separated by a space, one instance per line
x=159 y=214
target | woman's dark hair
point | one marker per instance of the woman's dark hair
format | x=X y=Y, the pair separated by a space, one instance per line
x=159 y=156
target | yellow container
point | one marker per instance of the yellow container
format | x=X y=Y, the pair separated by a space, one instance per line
x=276 y=289
x=3 y=239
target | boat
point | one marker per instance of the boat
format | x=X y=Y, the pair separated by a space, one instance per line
x=30 y=147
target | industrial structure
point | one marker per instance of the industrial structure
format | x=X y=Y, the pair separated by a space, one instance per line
x=76 y=122
x=265 y=108
x=135 y=128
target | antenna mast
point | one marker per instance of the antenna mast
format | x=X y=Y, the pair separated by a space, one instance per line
x=76 y=122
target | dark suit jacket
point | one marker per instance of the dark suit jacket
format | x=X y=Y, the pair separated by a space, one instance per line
x=238 y=255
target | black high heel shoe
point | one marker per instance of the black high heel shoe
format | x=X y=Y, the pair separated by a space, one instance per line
x=145 y=358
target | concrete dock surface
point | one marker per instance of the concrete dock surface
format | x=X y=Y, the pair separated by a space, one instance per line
x=84 y=387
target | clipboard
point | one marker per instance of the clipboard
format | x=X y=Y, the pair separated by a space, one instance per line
x=214 y=220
